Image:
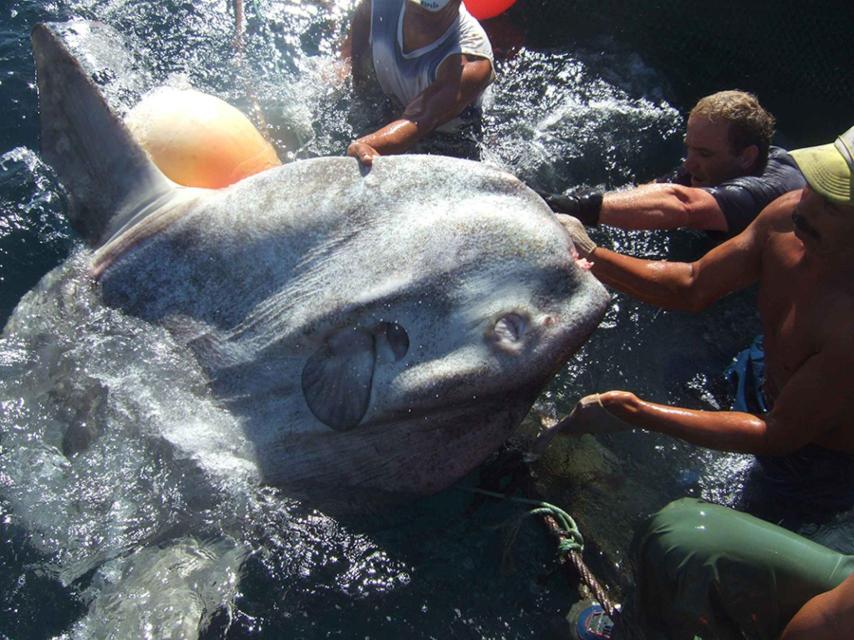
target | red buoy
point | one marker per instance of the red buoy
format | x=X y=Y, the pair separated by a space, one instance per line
x=486 y=9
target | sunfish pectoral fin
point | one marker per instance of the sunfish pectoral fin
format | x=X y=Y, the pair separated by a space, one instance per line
x=337 y=379
x=109 y=177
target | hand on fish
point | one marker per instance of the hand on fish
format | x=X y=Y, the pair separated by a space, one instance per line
x=363 y=152
x=591 y=416
x=583 y=244
x=588 y=416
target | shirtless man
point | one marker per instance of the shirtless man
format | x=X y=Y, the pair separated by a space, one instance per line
x=730 y=173
x=801 y=252
x=431 y=57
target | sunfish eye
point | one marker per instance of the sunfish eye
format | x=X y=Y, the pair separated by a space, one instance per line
x=509 y=329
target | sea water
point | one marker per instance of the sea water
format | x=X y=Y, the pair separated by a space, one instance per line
x=590 y=114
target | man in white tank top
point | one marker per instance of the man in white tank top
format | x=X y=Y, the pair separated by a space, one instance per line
x=431 y=57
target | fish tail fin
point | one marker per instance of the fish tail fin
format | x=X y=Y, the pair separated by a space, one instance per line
x=108 y=176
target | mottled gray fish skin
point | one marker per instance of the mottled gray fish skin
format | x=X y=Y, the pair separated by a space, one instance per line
x=377 y=332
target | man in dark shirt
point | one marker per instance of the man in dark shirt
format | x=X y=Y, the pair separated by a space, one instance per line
x=800 y=252
x=729 y=175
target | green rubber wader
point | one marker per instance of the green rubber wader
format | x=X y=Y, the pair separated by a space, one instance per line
x=710 y=572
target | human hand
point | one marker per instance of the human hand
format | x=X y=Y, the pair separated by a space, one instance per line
x=583 y=244
x=591 y=416
x=363 y=152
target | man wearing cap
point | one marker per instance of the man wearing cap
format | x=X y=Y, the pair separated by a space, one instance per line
x=800 y=250
x=730 y=173
x=431 y=57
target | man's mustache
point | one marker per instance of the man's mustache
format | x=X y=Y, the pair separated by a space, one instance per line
x=804 y=226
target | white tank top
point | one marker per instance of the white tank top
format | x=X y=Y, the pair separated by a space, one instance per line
x=403 y=76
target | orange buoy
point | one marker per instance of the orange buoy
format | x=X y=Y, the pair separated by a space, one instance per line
x=198 y=140
x=486 y=9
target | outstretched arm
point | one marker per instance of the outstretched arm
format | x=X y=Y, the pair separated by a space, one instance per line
x=721 y=430
x=459 y=81
x=652 y=206
x=693 y=286
x=814 y=403
x=662 y=206
x=814 y=406
x=681 y=285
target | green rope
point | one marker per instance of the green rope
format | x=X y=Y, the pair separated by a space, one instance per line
x=571 y=538
x=571 y=543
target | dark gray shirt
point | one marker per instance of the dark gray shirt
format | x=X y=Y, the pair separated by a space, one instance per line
x=741 y=199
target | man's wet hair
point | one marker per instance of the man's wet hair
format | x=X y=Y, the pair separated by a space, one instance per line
x=749 y=122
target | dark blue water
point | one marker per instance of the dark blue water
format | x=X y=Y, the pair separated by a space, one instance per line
x=577 y=106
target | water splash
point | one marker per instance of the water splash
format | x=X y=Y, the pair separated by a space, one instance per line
x=104 y=414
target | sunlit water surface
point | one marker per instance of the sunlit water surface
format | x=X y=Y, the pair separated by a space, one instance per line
x=110 y=509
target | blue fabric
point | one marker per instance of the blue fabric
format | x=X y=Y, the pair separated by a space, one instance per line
x=747 y=375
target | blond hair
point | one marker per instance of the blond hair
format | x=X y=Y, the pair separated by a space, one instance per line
x=749 y=122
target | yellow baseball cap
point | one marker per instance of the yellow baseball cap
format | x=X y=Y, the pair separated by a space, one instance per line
x=829 y=168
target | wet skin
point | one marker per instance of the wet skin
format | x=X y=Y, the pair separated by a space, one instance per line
x=800 y=250
x=806 y=302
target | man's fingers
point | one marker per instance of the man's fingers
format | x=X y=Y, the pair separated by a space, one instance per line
x=590 y=416
x=586 y=401
x=364 y=153
x=582 y=241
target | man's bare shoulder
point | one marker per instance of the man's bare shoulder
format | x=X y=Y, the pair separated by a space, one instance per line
x=777 y=216
x=771 y=226
x=765 y=233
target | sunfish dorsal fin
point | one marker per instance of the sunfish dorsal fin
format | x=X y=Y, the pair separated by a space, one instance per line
x=109 y=177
